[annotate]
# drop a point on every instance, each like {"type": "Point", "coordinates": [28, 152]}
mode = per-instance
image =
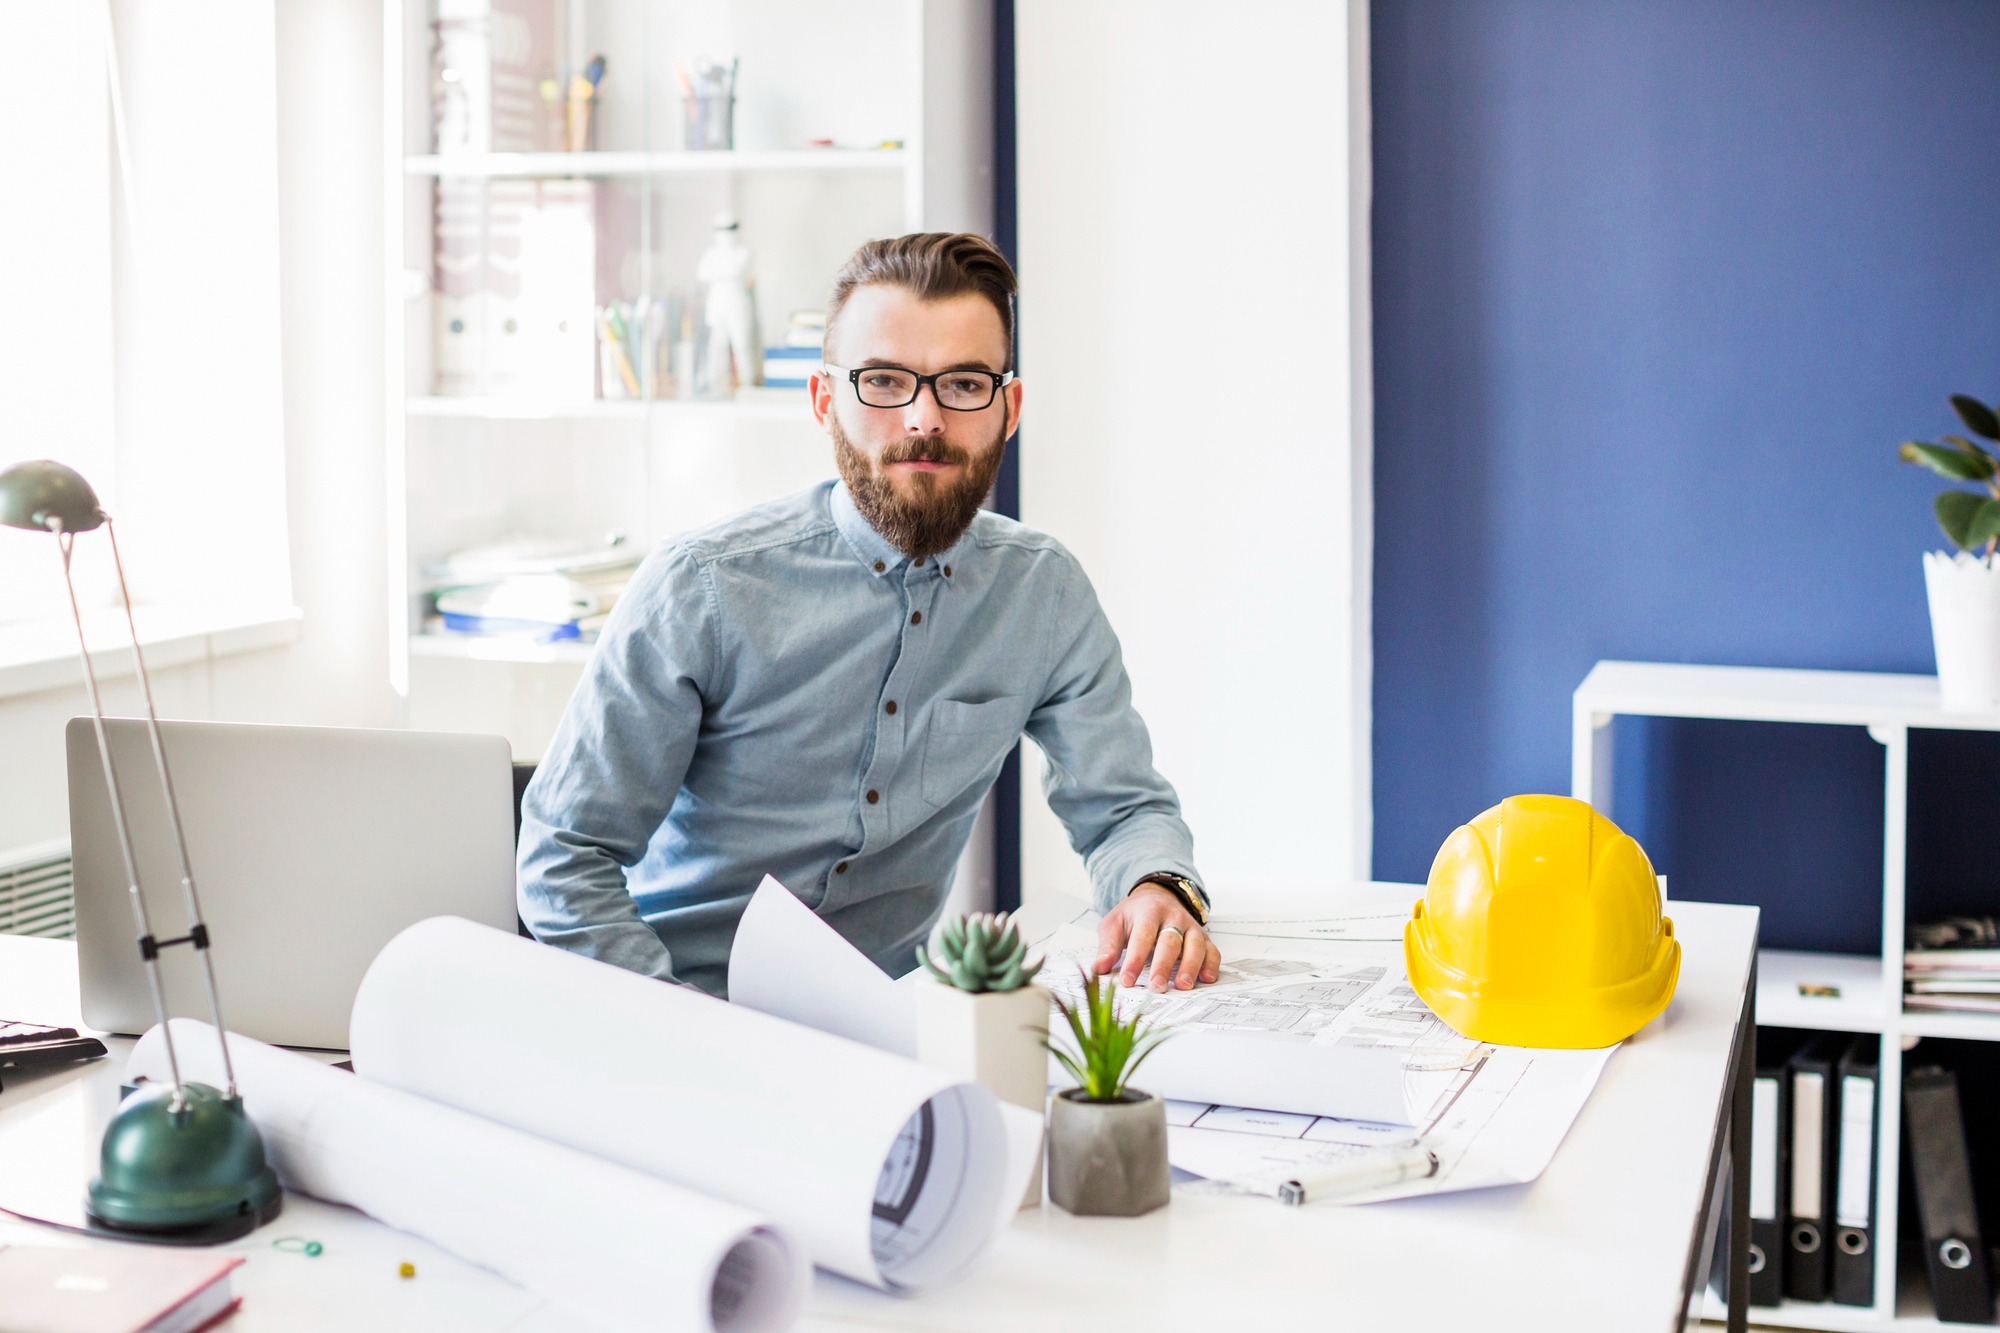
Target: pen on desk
{"type": "Point", "coordinates": [1359, 1174]}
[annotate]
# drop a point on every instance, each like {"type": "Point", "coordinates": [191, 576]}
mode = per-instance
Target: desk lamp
{"type": "Point", "coordinates": [180, 1163]}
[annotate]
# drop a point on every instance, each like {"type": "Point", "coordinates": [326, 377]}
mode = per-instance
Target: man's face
{"type": "Point", "coordinates": [918, 473]}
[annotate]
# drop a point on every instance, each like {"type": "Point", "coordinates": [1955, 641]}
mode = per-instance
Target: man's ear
{"type": "Point", "coordinates": [1013, 392]}
{"type": "Point", "coordinates": [819, 387]}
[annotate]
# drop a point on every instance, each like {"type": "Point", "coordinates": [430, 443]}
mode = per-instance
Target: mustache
{"type": "Point", "coordinates": [921, 449]}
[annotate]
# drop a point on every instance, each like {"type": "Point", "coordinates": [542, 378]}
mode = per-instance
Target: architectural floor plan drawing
{"type": "Point", "coordinates": [1494, 1115]}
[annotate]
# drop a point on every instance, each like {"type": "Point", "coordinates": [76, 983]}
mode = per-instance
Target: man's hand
{"type": "Point", "coordinates": [1155, 933]}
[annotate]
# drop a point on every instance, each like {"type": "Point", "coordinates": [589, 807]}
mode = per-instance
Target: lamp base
{"type": "Point", "coordinates": [197, 1170]}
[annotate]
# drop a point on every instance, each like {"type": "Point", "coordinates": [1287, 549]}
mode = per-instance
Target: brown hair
{"type": "Point", "coordinates": [931, 266]}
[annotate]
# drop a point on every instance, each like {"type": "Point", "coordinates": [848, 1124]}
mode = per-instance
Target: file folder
{"type": "Point", "coordinates": [1854, 1177]}
{"type": "Point", "coordinates": [1808, 1207]}
{"type": "Point", "coordinates": [1768, 1151]}
{"type": "Point", "coordinates": [1769, 1162]}
{"type": "Point", "coordinates": [1954, 1251]}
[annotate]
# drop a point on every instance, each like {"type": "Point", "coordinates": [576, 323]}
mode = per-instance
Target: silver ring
{"type": "Point", "coordinates": [1176, 929]}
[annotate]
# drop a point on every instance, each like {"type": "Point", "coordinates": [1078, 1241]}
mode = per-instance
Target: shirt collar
{"type": "Point", "coordinates": [877, 552]}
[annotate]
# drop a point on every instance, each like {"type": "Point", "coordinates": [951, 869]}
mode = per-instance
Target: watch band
{"type": "Point", "coordinates": [1182, 888]}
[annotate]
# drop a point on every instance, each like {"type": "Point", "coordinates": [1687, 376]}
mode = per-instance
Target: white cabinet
{"type": "Point", "coordinates": [1830, 992]}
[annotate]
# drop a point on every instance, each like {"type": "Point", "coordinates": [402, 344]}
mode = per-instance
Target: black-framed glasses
{"type": "Point", "coordinates": [955, 390]}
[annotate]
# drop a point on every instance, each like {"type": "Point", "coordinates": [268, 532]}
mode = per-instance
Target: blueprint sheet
{"type": "Point", "coordinates": [1494, 1115]}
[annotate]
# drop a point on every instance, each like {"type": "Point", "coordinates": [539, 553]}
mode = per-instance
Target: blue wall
{"type": "Point", "coordinates": [1658, 287]}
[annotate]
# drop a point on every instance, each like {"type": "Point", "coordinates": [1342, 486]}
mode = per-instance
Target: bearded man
{"type": "Point", "coordinates": [824, 687]}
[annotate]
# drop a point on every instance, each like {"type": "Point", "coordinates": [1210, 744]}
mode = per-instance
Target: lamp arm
{"type": "Point", "coordinates": [197, 928]}
{"type": "Point", "coordinates": [65, 541]}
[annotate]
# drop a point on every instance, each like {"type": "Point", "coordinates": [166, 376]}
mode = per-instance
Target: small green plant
{"type": "Point", "coordinates": [1108, 1048]}
{"type": "Point", "coordinates": [1968, 518]}
{"type": "Point", "coordinates": [978, 952]}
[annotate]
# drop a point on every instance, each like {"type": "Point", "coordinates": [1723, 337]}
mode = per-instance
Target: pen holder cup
{"type": "Point", "coordinates": [580, 124]}
{"type": "Point", "coordinates": [709, 122]}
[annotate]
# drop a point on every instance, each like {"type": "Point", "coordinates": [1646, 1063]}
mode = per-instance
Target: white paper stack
{"type": "Point", "coordinates": [629, 1249]}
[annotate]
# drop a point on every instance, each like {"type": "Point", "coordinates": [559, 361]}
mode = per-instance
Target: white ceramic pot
{"type": "Point", "coordinates": [1965, 629]}
{"type": "Point", "coordinates": [992, 1037]}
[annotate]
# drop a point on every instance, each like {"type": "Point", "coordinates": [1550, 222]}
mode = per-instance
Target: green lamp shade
{"type": "Point", "coordinates": [167, 1170]}
{"type": "Point", "coordinates": [33, 493]}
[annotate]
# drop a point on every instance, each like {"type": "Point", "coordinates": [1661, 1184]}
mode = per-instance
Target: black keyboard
{"type": "Point", "coordinates": [14, 1034]}
{"type": "Point", "coordinates": [23, 1045]}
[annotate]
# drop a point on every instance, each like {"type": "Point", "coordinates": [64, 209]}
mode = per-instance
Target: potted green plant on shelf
{"type": "Point", "coordinates": [1107, 1140]}
{"type": "Point", "coordinates": [1964, 589]}
{"type": "Point", "coordinates": [981, 1017]}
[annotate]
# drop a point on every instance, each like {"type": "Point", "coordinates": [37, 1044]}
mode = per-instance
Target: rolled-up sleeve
{"type": "Point", "coordinates": [1121, 815]}
{"type": "Point", "coordinates": [616, 765]}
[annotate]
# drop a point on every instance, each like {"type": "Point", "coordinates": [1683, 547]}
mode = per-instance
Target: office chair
{"type": "Point", "coordinates": [523, 771]}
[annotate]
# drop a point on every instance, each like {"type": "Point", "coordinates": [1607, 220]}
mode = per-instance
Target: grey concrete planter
{"type": "Point", "coordinates": [1108, 1159]}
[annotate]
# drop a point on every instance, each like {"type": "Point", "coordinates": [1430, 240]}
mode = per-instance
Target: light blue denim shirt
{"type": "Point", "coordinates": [785, 693]}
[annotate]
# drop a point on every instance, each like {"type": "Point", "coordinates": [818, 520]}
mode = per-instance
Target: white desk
{"type": "Point", "coordinates": [1606, 1240]}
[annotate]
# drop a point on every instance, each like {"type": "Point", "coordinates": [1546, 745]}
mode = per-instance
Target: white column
{"type": "Point", "coordinates": [1193, 247]}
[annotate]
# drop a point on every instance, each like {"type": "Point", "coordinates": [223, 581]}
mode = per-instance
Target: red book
{"type": "Point", "coordinates": [114, 1289]}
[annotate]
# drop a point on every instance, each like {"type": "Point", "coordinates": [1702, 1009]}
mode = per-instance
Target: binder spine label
{"type": "Point", "coordinates": [1764, 1150]}
{"type": "Point", "coordinates": [1807, 1106]}
{"type": "Point", "coordinates": [1857, 1141]}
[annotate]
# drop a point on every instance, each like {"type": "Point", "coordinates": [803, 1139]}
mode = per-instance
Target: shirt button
{"type": "Point", "coordinates": [920, 564]}
{"type": "Point", "coordinates": [874, 796]}
{"type": "Point", "coordinates": [890, 708]}
{"type": "Point", "coordinates": [879, 566]}
{"type": "Point", "coordinates": [916, 617]}
{"type": "Point", "coordinates": [840, 869]}
{"type": "Point", "coordinates": [947, 571]}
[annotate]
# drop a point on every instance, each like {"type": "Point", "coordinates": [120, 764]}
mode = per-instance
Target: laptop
{"type": "Point", "coordinates": [311, 847]}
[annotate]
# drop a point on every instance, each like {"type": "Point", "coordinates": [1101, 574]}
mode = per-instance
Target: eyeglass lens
{"type": "Point", "coordinates": [960, 391]}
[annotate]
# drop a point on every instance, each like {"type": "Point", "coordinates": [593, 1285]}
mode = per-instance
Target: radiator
{"type": "Point", "coordinates": [36, 893]}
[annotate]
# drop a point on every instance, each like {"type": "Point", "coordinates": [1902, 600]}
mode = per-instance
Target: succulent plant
{"type": "Point", "coordinates": [978, 951]}
{"type": "Point", "coordinates": [1109, 1046]}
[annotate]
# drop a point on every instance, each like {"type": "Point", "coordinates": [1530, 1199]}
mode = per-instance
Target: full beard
{"type": "Point", "coordinates": [935, 513]}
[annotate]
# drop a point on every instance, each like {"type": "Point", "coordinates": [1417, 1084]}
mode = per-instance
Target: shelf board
{"type": "Point", "coordinates": [1768, 694]}
{"type": "Point", "coordinates": [500, 165]}
{"type": "Point", "coordinates": [497, 648]}
{"type": "Point", "coordinates": [1780, 972]}
{"type": "Point", "coordinates": [765, 405]}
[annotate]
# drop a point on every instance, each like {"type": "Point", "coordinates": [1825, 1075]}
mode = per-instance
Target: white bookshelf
{"type": "Point", "coordinates": [528, 165]}
{"type": "Point", "coordinates": [1870, 990]}
{"type": "Point", "coordinates": [790, 406]}
{"type": "Point", "coordinates": [904, 85]}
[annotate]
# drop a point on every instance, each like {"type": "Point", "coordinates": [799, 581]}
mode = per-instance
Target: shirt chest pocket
{"type": "Point", "coordinates": [966, 744]}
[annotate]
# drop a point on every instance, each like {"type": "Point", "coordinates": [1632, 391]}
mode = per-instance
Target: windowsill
{"type": "Point", "coordinates": [39, 655]}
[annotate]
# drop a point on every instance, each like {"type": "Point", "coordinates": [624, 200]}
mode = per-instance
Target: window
{"type": "Point", "coordinates": [139, 296]}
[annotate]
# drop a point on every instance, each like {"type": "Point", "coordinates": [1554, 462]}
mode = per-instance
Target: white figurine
{"type": "Point", "coordinates": [729, 314]}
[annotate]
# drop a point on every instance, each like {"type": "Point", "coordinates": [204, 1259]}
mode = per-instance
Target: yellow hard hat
{"type": "Point", "coordinates": [1541, 926]}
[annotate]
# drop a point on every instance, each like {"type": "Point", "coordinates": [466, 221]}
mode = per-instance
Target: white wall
{"type": "Point", "coordinates": [329, 252]}
{"type": "Point", "coordinates": [1193, 254]}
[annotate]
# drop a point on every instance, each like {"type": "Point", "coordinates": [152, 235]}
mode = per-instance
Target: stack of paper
{"type": "Point", "coordinates": [1954, 965]}
{"type": "Point", "coordinates": [549, 591]}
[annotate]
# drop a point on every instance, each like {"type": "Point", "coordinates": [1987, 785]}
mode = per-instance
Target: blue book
{"type": "Point", "coordinates": [788, 367]}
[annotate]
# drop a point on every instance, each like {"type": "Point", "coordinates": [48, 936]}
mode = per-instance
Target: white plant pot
{"type": "Point", "coordinates": [994, 1038]}
{"type": "Point", "coordinates": [1965, 629]}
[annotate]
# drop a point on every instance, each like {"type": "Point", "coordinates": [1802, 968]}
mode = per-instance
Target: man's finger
{"type": "Point", "coordinates": [1166, 953]}
{"type": "Point", "coordinates": [1138, 952]}
{"type": "Point", "coordinates": [1110, 942]}
{"type": "Point", "coordinates": [1194, 960]}
{"type": "Point", "coordinates": [1212, 969]}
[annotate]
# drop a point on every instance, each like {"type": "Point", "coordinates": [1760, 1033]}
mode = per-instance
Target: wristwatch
{"type": "Point", "coordinates": [1182, 888]}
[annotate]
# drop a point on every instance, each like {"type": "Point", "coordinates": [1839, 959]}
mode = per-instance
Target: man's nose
{"type": "Point", "coordinates": [923, 416]}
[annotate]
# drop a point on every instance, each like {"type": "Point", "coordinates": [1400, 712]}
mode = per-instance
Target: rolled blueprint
{"type": "Point", "coordinates": [889, 1172]}
{"type": "Point", "coordinates": [630, 1250]}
